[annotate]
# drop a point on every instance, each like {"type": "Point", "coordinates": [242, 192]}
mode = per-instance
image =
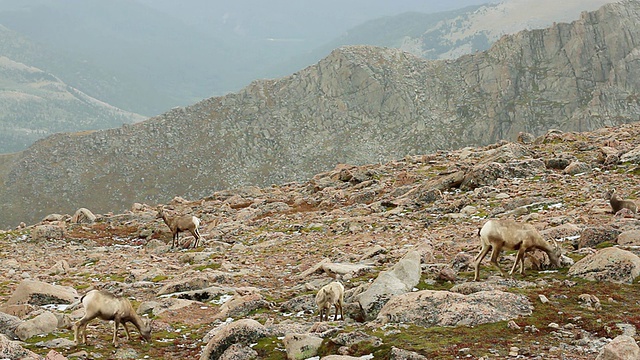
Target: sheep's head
{"type": "Point", "coordinates": [609, 194]}
{"type": "Point", "coordinates": [145, 330]}
{"type": "Point", "coordinates": [160, 213]}
{"type": "Point", "coordinates": [555, 253]}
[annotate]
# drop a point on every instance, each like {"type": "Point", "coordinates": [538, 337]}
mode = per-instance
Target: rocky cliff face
{"type": "Point", "coordinates": [359, 105]}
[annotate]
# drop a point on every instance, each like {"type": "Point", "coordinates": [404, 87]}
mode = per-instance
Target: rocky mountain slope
{"type": "Point", "coordinates": [36, 104]}
{"type": "Point", "coordinates": [359, 105]}
{"type": "Point", "coordinates": [400, 235]}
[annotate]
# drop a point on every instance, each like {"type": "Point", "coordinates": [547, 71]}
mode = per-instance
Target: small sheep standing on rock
{"type": "Point", "coordinates": [330, 294]}
{"type": "Point", "coordinates": [619, 204]}
{"type": "Point", "coordinates": [180, 223]}
{"type": "Point", "coordinates": [104, 305]}
{"type": "Point", "coordinates": [511, 235]}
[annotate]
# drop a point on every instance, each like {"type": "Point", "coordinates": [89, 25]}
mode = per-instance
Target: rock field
{"type": "Point", "coordinates": [400, 236]}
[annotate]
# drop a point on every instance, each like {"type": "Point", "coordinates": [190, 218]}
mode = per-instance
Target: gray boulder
{"type": "Point", "coordinates": [47, 231]}
{"type": "Point", "coordinates": [8, 325]}
{"type": "Point", "coordinates": [623, 347]}
{"type": "Point", "coordinates": [12, 350]}
{"type": "Point", "coordinates": [632, 156]}
{"type": "Point", "coordinates": [401, 354]}
{"type": "Point", "coordinates": [592, 236]}
{"type": "Point", "coordinates": [301, 346]}
{"type": "Point", "coordinates": [239, 352]}
{"type": "Point", "coordinates": [629, 238]}
{"type": "Point", "coordinates": [240, 305]}
{"type": "Point", "coordinates": [41, 293]}
{"type": "Point", "coordinates": [399, 280]}
{"type": "Point", "coordinates": [41, 324]}
{"type": "Point", "coordinates": [243, 331]}
{"type": "Point", "coordinates": [443, 308]}
{"type": "Point", "coordinates": [609, 264]}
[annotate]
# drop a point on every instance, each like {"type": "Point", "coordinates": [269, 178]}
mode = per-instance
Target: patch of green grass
{"type": "Point", "coordinates": [212, 266]}
{"type": "Point", "coordinates": [270, 348]}
{"type": "Point", "coordinates": [159, 278]}
{"type": "Point", "coordinates": [116, 277]}
{"type": "Point", "coordinates": [12, 234]}
{"type": "Point", "coordinates": [604, 244]}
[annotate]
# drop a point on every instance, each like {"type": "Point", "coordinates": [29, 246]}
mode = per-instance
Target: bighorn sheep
{"type": "Point", "coordinates": [511, 235]}
{"type": "Point", "coordinates": [104, 305]}
{"type": "Point", "coordinates": [330, 294]}
{"type": "Point", "coordinates": [180, 223]}
{"type": "Point", "coordinates": [619, 204]}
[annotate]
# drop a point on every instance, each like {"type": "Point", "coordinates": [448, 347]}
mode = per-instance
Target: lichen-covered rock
{"type": "Point", "coordinates": [8, 325]}
{"type": "Point", "coordinates": [12, 350]}
{"type": "Point", "coordinates": [301, 346]}
{"type": "Point", "coordinates": [240, 305]}
{"type": "Point", "coordinates": [401, 354]}
{"type": "Point", "coordinates": [623, 347]}
{"type": "Point", "coordinates": [245, 331]}
{"type": "Point", "coordinates": [630, 237]}
{"type": "Point", "coordinates": [399, 280]}
{"type": "Point", "coordinates": [239, 352]}
{"type": "Point", "coordinates": [592, 236]}
{"type": "Point", "coordinates": [41, 324]}
{"type": "Point", "coordinates": [41, 293]}
{"type": "Point", "coordinates": [443, 308]}
{"type": "Point", "coordinates": [47, 231]}
{"type": "Point", "coordinates": [609, 264]}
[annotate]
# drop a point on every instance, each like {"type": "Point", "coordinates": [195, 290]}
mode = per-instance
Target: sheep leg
{"type": "Point", "coordinates": [339, 306]}
{"type": "Point", "coordinates": [494, 259]}
{"type": "Point", "coordinates": [479, 257]}
{"type": "Point", "coordinates": [196, 235]}
{"type": "Point", "coordinates": [176, 240]}
{"type": "Point", "coordinates": [126, 330]}
{"type": "Point", "coordinates": [116, 323]}
{"type": "Point", "coordinates": [80, 327]}
{"type": "Point", "coordinates": [335, 316]}
{"type": "Point", "coordinates": [519, 260]}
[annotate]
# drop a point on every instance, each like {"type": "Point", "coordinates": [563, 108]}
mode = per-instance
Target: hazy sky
{"type": "Point", "coordinates": [301, 19]}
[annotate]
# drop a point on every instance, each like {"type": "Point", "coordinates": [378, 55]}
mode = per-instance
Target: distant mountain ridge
{"type": "Point", "coordinates": [142, 57]}
{"type": "Point", "coordinates": [451, 34]}
{"type": "Point", "coordinates": [359, 105]}
{"type": "Point", "coordinates": [36, 104]}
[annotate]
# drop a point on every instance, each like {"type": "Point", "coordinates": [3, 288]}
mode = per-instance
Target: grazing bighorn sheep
{"type": "Point", "coordinates": [104, 305]}
{"type": "Point", "coordinates": [330, 294]}
{"type": "Point", "coordinates": [619, 204]}
{"type": "Point", "coordinates": [180, 223]}
{"type": "Point", "coordinates": [511, 235]}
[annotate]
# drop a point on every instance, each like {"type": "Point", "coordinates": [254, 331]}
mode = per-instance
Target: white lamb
{"type": "Point", "coordinates": [330, 294]}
